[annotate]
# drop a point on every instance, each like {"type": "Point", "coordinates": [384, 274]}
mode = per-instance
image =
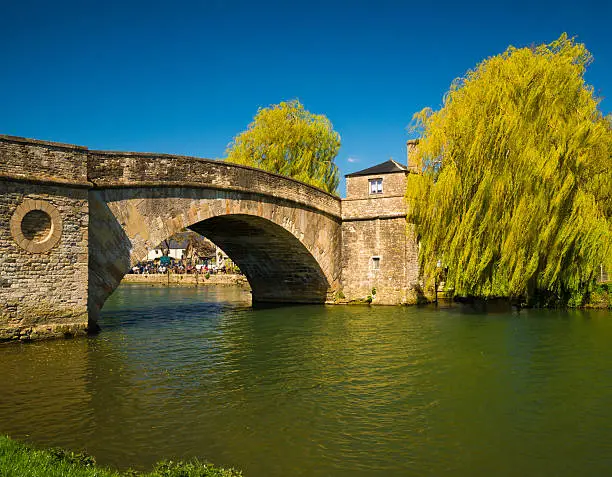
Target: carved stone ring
{"type": "Point", "coordinates": [36, 226]}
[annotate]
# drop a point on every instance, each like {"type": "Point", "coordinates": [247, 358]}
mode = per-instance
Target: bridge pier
{"type": "Point", "coordinates": [43, 240]}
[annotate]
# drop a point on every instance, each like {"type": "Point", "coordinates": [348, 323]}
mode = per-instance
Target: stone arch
{"type": "Point", "coordinates": [288, 251]}
{"type": "Point", "coordinates": [277, 265]}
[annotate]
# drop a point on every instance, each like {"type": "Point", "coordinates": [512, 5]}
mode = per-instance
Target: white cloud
{"type": "Point", "coordinates": [352, 159]}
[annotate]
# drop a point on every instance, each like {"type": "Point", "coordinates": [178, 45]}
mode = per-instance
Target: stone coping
{"type": "Point", "coordinates": [38, 142]}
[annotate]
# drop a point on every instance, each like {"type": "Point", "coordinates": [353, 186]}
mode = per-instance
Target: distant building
{"type": "Point", "coordinates": [186, 245]}
{"type": "Point", "coordinates": [176, 250]}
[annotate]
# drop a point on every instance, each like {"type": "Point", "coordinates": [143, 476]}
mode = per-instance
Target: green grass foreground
{"type": "Point", "coordinates": [21, 460]}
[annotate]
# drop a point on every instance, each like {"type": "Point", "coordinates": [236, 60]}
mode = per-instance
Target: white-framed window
{"type": "Point", "coordinates": [376, 186]}
{"type": "Point", "coordinates": [375, 263]}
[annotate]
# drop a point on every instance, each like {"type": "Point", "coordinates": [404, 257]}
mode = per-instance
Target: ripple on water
{"type": "Point", "coordinates": [315, 390]}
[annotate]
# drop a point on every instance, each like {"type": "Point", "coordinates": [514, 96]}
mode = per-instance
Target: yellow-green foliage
{"type": "Point", "coordinates": [516, 192]}
{"type": "Point", "coordinates": [287, 139]}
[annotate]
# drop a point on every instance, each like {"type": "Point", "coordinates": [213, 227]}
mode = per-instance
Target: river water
{"type": "Point", "coordinates": [321, 390]}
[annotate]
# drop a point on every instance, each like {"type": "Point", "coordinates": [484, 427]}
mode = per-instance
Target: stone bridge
{"type": "Point", "coordinates": [74, 221]}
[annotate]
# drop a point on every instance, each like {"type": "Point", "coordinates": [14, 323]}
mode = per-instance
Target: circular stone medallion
{"type": "Point", "coordinates": [36, 226]}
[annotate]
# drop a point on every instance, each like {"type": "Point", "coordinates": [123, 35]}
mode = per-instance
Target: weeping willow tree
{"type": "Point", "coordinates": [515, 195]}
{"type": "Point", "coordinates": [287, 139]}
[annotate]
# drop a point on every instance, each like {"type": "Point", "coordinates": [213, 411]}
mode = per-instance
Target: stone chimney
{"type": "Point", "coordinates": [411, 148]}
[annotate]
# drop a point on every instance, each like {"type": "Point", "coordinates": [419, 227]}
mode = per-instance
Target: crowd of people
{"type": "Point", "coordinates": [176, 266]}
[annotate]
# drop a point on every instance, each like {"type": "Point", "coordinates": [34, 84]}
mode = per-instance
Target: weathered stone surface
{"type": "Point", "coordinates": [282, 233]}
{"type": "Point", "coordinates": [123, 169]}
{"type": "Point", "coordinates": [379, 252]}
{"type": "Point", "coordinates": [289, 253]}
{"type": "Point", "coordinates": [42, 161]}
{"type": "Point", "coordinates": [95, 214]}
{"type": "Point", "coordinates": [45, 291]}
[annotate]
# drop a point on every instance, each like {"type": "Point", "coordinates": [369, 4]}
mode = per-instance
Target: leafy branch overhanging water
{"type": "Point", "coordinates": [515, 195]}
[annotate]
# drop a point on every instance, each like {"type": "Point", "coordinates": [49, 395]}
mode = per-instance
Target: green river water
{"type": "Point", "coordinates": [321, 390]}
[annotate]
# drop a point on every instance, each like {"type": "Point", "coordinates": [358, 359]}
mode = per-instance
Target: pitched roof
{"type": "Point", "coordinates": [387, 167]}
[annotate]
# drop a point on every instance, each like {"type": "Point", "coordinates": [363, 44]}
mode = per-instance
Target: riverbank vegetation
{"type": "Point", "coordinates": [515, 199]}
{"type": "Point", "coordinates": [600, 296]}
{"type": "Point", "coordinates": [289, 140]}
{"type": "Point", "coordinates": [20, 460]}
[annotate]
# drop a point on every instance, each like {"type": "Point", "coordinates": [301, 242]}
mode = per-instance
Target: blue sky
{"type": "Point", "coordinates": [186, 77]}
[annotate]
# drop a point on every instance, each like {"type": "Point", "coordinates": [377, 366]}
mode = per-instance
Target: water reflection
{"type": "Point", "coordinates": [314, 391]}
{"type": "Point", "coordinates": [42, 384]}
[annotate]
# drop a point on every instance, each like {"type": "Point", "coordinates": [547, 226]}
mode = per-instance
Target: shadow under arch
{"type": "Point", "coordinates": [279, 268]}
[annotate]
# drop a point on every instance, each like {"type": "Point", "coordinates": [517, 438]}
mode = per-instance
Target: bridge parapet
{"type": "Point", "coordinates": [32, 160]}
{"type": "Point", "coordinates": [107, 169]}
{"type": "Point", "coordinates": [42, 161]}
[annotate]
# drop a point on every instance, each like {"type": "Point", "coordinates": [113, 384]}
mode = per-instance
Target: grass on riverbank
{"type": "Point", "coordinates": [20, 460]}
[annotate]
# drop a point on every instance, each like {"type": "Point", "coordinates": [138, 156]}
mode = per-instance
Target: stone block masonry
{"type": "Point", "coordinates": [379, 249]}
{"type": "Point", "coordinates": [42, 161]}
{"type": "Point", "coordinates": [43, 239]}
{"type": "Point", "coordinates": [73, 222]}
{"type": "Point", "coordinates": [380, 261]}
